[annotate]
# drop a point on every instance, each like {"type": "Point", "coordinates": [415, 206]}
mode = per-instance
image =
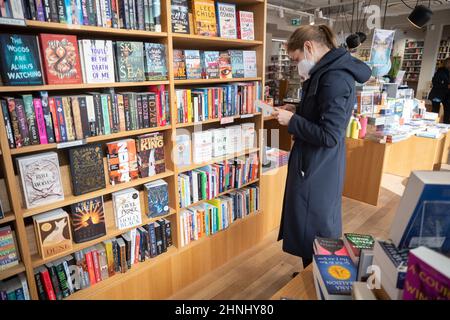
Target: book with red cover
{"type": "Point", "coordinates": [97, 272]}
{"type": "Point", "coordinates": [47, 284]}
{"type": "Point", "coordinates": [61, 59]}
{"type": "Point", "coordinates": [90, 267]}
{"type": "Point", "coordinates": [326, 246]}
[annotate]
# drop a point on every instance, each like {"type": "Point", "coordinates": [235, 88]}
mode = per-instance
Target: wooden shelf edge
{"type": "Point", "coordinates": [206, 81]}
{"type": "Point", "coordinates": [108, 190]}
{"type": "Point", "coordinates": [12, 271]}
{"type": "Point", "coordinates": [218, 159]}
{"type": "Point", "coordinates": [192, 124]}
{"type": "Point", "coordinates": [80, 86]}
{"type": "Point", "coordinates": [192, 37]}
{"type": "Point", "coordinates": [9, 216]}
{"type": "Point", "coordinates": [112, 136]}
{"type": "Point", "coordinates": [38, 261]}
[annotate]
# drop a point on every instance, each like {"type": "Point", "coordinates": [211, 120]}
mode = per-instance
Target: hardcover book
{"type": "Point", "coordinates": [150, 154]}
{"type": "Point", "coordinates": [211, 64]}
{"type": "Point", "coordinates": [97, 61]}
{"type": "Point", "coordinates": [202, 144]}
{"type": "Point", "coordinates": [8, 251]}
{"type": "Point", "coordinates": [193, 64]}
{"type": "Point", "coordinates": [61, 59]}
{"type": "Point", "coordinates": [246, 28]}
{"type": "Point", "coordinates": [237, 63]}
{"type": "Point", "coordinates": [226, 16]}
{"type": "Point", "coordinates": [179, 65]}
{"type": "Point", "coordinates": [130, 61]}
{"type": "Point", "coordinates": [219, 142]}
{"type": "Point", "coordinates": [326, 246]}
{"type": "Point", "coordinates": [155, 61]}
{"type": "Point", "coordinates": [204, 16]}
{"type": "Point", "coordinates": [127, 208]}
{"type": "Point", "coordinates": [180, 16]}
{"type": "Point", "coordinates": [355, 242]}
{"type": "Point", "coordinates": [40, 179]}
{"type": "Point", "coordinates": [225, 65]}
{"type": "Point", "coordinates": [20, 63]}
{"type": "Point", "coordinates": [250, 69]}
{"type": "Point", "coordinates": [53, 234]}
{"type": "Point", "coordinates": [248, 135]}
{"type": "Point", "coordinates": [88, 220]}
{"type": "Point", "coordinates": [157, 195]}
{"type": "Point", "coordinates": [122, 161]}
{"type": "Point", "coordinates": [87, 169]}
{"type": "Point", "coordinates": [392, 261]}
{"type": "Point", "coordinates": [183, 150]}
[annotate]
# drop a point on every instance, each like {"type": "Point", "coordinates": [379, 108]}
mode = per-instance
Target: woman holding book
{"type": "Point", "coordinates": [313, 194]}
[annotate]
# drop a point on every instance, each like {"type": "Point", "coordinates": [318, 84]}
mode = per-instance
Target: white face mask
{"type": "Point", "coordinates": [304, 66]}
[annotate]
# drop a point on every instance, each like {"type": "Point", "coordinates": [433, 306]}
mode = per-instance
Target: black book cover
{"type": "Point", "coordinates": [61, 11]}
{"type": "Point", "coordinates": [159, 238]}
{"type": "Point", "coordinates": [168, 232]}
{"type": "Point", "coordinates": [88, 220]}
{"type": "Point", "coordinates": [54, 11]}
{"type": "Point", "coordinates": [99, 125]}
{"type": "Point", "coordinates": [152, 110]}
{"type": "Point", "coordinates": [139, 111]}
{"type": "Point", "coordinates": [40, 286]}
{"type": "Point", "coordinates": [85, 127]}
{"type": "Point", "coordinates": [62, 278]}
{"type": "Point", "coordinates": [55, 282]}
{"type": "Point", "coordinates": [180, 16]}
{"type": "Point", "coordinates": [87, 168]}
{"type": "Point", "coordinates": [47, 117]}
{"type": "Point", "coordinates": [145, 111]}
{"type": "Point", "coordinates": [30, 7]}
{"type": "Point", "coordinates": [116, 254]}
{"type": "Point", "coordinates": [126, 107]}
{"type": "Point", "coordinates": [22, 119]}
{"type": "Point", "coordinates": [8, 125]}
{"type": "Point", "coordinates": [162, 226]}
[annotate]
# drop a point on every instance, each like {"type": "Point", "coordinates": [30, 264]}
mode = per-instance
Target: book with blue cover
{"type": "Point", "coordinates": [335, 275]}
{"type": "Point", "coordinates": [157, 195]}
{"type": "Point", "coordinates": [193, 64]}
{"type": "Point", "coordinates": [155, 61]}
{"type": "Point", "coordinates": [237, 63]}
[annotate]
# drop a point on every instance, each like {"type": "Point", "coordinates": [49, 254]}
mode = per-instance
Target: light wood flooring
{"type": "Point", "coordinates": [261, 271]}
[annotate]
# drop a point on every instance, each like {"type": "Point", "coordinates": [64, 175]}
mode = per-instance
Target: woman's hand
{"type": "Point", "coordinates": [283, 116]}
{"type": "Point", "coordinates": [288, 107]}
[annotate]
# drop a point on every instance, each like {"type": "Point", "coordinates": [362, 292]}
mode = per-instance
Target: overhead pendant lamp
{"type": "Point", "coordinates": [362, 36]}
{"type": "Point", "coordinates": [420, 16]}
{"type": "Point", "coordinates": [353, 41]}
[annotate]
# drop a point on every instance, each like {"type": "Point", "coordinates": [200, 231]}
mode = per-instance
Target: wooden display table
{"type": "Point", "coordinates": [299, 288]}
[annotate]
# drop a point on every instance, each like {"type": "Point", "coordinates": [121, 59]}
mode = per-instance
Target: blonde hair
{"type": "Point", "coordinates": [319, 33]}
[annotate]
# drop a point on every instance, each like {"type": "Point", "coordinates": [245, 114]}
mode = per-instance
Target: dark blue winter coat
{"type": "Point", "coordinates": [313, 195]}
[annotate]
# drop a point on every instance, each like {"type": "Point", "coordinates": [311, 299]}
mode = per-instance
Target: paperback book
{"type": "Point", "coordinates": [155, 61]}
{"type": "Point", "coordinates": [130, 61]}
{"type": "Point", "coordinates": [97, 61]}
{"type": "Point", "coordinates": [127, 208]}
{"type": "Point", "coordinates": [157, 195]}
{"type": "Point", "coordinates": [226, 16]}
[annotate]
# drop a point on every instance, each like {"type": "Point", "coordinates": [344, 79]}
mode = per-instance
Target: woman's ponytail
{"type": "Point", "coordinates": [320, 33]}
{"type": "Point", "coordinates": [329, 35]}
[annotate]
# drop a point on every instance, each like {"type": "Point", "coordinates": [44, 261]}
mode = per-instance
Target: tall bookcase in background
{"type": "Point", "coordinates": [444, 52]}
{"type": "Point", "coordinates": [159, 277]}
{"type": "Point", "coordinates": [412, 62]}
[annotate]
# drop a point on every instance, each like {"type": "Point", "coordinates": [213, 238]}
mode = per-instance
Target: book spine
{"type": "Point", "coordinates": [68, 277]}
{"type": "Point", "coordinates": [40, 121]}
{"type": "Point", "coordinates": [133, 111]}
{"type": "Point", "coordinates": [91, 12]}
{"type": "Point", "coordinates": [162, 227]}
{"type": "Point", "coordinates": [110, 258]}
{"type": "Point", "coordinates": [168, 232]}
{"type": "Point", "coordinates": [126, 106]}
{"type": "Point", "coordinates": [31, 118]}
{"type": "Point", "coordinates": [22, 120]}
{"type": "Point", "coordinates": [110, 112]}
{"type": "Point", "coordinates": [8, 125]}
{"type": "Point", "coordinates": [40, 11]}
{"type": "Point", "coordinates": [146, 15]}
{"type": "Point", "coordinates": [61, 11]}
{"type": "Point", "coordinates": [90, 267]}
{"type": "Point", "coordinates": [156, 5]}
{"type": "Point", "coordinates": [116, 253]}
{"type": "Point", "coordinates": [140, 14]}
{"type": "Point", "coordinates": [50, 293]}
{"type": "Point", "coordinates": [47, 117]}
{"type": "Point", "coordinates": [98, 12]}
{"type": "Point", "coordinates": [96, 262]}
{"type": "Point", "coordinates": [84, 117]}
{"type": "Point", "coordinates": [140, 116]}
{"type": "Point", "coordinates": [105, 114]}
{"type": "Point", "coordinates": [78, 122]}
{"type": "Point", "coordinates": [61, 119]}
{"type": "Point", "coordinates": [115, 112]}
{"type": "Point", "coordinates": [54, 113]}
{"type": "Point", "coordinates": [64, 286]}
{"type": "Point", "coordinates": [55, 282]}
{"type": "Point", "coordinates": [152, 239]}
{"type": "Point", "coordinates": [32, 8]}
{"type": "Point", "coordinates": [145, 112]}
{"type": "Point", "coordinates": [69, 119]}
{"type": "Point", "coordinates": [132, 8]}
{"type": "Point", "coordinates": [150, 15]}
{"type": "Point", "coordinates": [54, 11]}
{"type": "Point", "coordinates": [40, 286]}
{"type": "Point", "coordinates": [47, 14]}
{"type": "Point", "coordinates": [99, 126]}
{"type": "Point", "coordinates": [115, 13]}
{"type": "Point", "coordinates": [84, 9]}
{"type": "Point", "coordinates": [108, 14]}
{"type": "Point", "coordinates": [121, 111]}
{"type": "Point", "coordinates": [123, 259]}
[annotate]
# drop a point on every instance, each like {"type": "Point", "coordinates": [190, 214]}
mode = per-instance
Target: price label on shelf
{"type": "Point", "coordinates": [64, 145]}
{"type": "Point", "coordinates": [226, 120]}
{"type": "Point", "coordinates": [13, 22]}
{"type": "Point", "coordinates": [250, 115]}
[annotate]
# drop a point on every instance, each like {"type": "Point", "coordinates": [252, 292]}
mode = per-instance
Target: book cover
{"type": "Point", "coordinates": [250, 68]}
{"type": "Point", "coordinates": [61, 59]}
{"type": "Point", "coordinates": [88, 220]}
{"type": "Point", "coordinates": [248, 135]}
{"type": "Point", "coordinates": [130, 61]}
{"type": "Point", "coordinates": [98, 61]}
{"type": "Point", "coordinates": [219, 142]}
{"type": "Point", "coordinates": [193, 64]}
{"type": "Point", "coordinates": [8, 124]}
{"type": "Point", "coordinates": [53, 234]}
{"type": "Point", "coordinates": [225, 65]}
{"type": "Point", "coordinates": [40, 121]}
{"type": "Point", "coordinates": [226, 18]}
{"type": "Point", "coordinates": [202, 144]}
{"type": "Point", "coordinates": [359, 241]}
{"type": "Point", "coordinates": [157, 195]}
{"type": "Point", "coordinates": [18, 139]}
{"type": "Point", "coordinates": [127, 208]}
{"type": "Point", "coordinates": [47, 116]}
{"type": "Point", "coordinates": [150, 154]}
{"type": "Point", "coordinates": [8, 251]}
{"type": "Point", "coordinates": [337, 273]}
{"type": "Point", "coordinates": [428, 275]}
{"type": "Point", "coordinates": [204, 16]}
{"type": "Point", "coordinates": [87, 169]}
{"type": "Point", "coordinates": [40, 179]}
{"type": "Point", "coordinates": [326, 246]}
{"type": "Point", "coordinates": [155, 61]}
{"type": "Point", "coordinates": [246, 28]}
{"type": "Point", "coordinates": [122, 161]}
{"type": "Point", "coordinates": [20, 63]}
{"type": "Point", "coordinates": [183, 150]}
{"type": "Point", "coordinates": [180, 16]}
{"type": "Point", "coordinates": [211, 64]}
{"type": "Point", "coordinates": [237, 63]}
{"type": "Point", "coordinates": [179, 65]}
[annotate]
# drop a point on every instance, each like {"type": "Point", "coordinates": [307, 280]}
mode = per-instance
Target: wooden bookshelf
{"type": "Point", "coordinates": [159, 277]}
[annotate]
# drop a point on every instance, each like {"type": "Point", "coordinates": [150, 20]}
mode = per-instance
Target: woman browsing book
{"type": "Point", "coordinates": [313, 194]}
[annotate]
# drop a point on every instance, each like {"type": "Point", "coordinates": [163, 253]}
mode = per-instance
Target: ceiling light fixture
{"type": "Point", "coordinates": [420, 16]}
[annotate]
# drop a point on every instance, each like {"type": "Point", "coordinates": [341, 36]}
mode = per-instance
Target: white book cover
{"type": "Point", "coordinates": [234, 139]}
{"type": "Point", "coordinates": [202, 146]}
{"type": "Point", "coordinates": [183, 150]}
{"type": "Point", "coordinates": [40, 179]}
{"type": "Point", "coordinates": [127, 208]}
{"type": "Point", "coordinates": [246, 25]}
{"type": "Point", "coordinates": [250, 68]}
{"type": "Point", "coordinates": [194, 186]}
{"type": "Point", "coordinates": [219, 142]}
{"type": "Point", "coordinates": [24, 283]}
{"type": "Point", "coordinates": [248, 135]}
{"type": "Point", "coordinates": [98, 61]}
{"type": "Point", "coordinates": [226, 16]}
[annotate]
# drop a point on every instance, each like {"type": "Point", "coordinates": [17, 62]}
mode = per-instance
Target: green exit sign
{"type": "Point", "coordinates": [296, 22]}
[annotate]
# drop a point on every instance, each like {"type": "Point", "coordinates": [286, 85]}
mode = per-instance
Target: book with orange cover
{"type": "Point", "coordinates": [122, 161]}
{"type": "Point", "coordinates": [204, 13]}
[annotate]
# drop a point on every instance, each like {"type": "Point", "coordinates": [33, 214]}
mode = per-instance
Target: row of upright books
{"type": "Point", "coordinates": [9, 255]}
{"type": "Point", "coordinates": [125, 162]}
{"type": "Point", "coordinates": [63, 59]}
{"type": "Point", "coordinates": [217, 214]}
{"type": "Point", "coordinates": [15, 288]}
{"type": "Point", "coordinates": [207, 182]}
{"type": "Point", "coordinates": [56, 230]}
{"type": "Point", "coordinates": [201, 104]}
{"type": "Point", "coordinates": [227, 64]}
{"type": "Point", "coordinates": [43, 119]}
{"type": "Point", "coordinates": [126, 14]}
{"type": "Point", "coordinates": [61, 278]}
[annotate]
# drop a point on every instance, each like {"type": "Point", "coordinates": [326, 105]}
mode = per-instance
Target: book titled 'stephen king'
{"type": "Point", "coordinates": [150, 154]}
{"type": "Point", "coordinates": [20, 63]}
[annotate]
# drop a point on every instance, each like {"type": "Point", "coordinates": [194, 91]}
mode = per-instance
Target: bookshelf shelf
{"type": "Point", "coordinates": [190, 124]}
{"type": "Point", "coordinates": [9, 216]}
{"type": "Point", "coordinates": [102, 138]}
{"type": "Point", "coordinates": [208, 81]}
{"type": "Point", "coordinates": [218, 159]}
{"type": "Point", "coordinates": [184, 41]}
{"type": "Point", "coordinates": [71, 199]}
{"type": "Point", "coordinates": [12, 271]}
{"type": "Point", "coordinates": [111, 233]}
{"type": "Point", "coordinates": [43, 26]}
{"type": "Point", "coordinates": [82, 86]}
{"type": "Point", "coordinates": [221, 194]}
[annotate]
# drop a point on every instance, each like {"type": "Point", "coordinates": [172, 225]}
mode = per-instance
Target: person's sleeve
{"type": "Point", "coordinates": [332, 102]}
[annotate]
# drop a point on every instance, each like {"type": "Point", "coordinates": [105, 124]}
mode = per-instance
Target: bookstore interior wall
{"type": "Point", "coordinates": [97, 168]}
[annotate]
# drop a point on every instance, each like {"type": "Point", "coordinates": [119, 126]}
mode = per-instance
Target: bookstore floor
{"type": "Point", "coordinates": [262, 271]}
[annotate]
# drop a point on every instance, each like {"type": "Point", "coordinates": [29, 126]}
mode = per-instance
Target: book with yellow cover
{"type": "Point", "coordinates": [204, 14]}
